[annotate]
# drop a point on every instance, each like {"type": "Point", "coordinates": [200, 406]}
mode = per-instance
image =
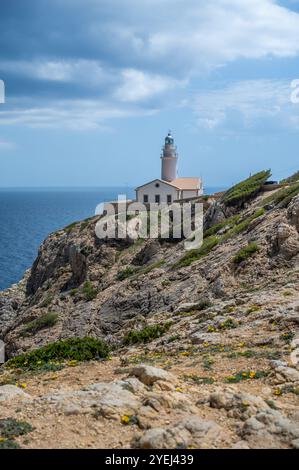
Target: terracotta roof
{"type": "Point", "coordinates": [186, 183]}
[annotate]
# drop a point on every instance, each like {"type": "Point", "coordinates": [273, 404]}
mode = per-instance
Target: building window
{"type": "Point", "coordinates": [169, 199]}
{"type": "Point", "coordinates": [145, 198]}
{"type": "Point", "coordinates": [157, 185]}
{"type": "Point", "coordinates": [157, 198]}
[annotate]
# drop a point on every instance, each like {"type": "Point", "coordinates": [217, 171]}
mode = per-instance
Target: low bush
{"type": "Point", "coordinates": [147, 334]}
{"type": "Point", "coordinates": [89, 291]}
{"type": "Point", "coordinates": [194, 255]}
{"type": "Point", "coordinates": [246, 190]}
{"type": "Point", "coordinates": [125, 273]}
{"type": "Point", "coordinates": [78, 349]}
{"type": "Point", "coordinates": [283, 196]}
{"type": "Point", "coordinates": [246, 252]}
{"type": "Point", "coordinates": [45, 321]}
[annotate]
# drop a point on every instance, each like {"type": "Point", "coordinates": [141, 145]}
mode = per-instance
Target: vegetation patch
{"type": "Point", "coordinates": [246, 252]}
{"type": "Point", "coordinates": [210, 242]}
{"type": "Point", "coordinates": [225, 223]}
{"type": "Point", "coordinates": [246, 190]}
{"type": "Point", "coordinates": [194, 255]}
{"type": "Point", "coordinates": [10, 428]}
{"type": "Point", "coordinates": [283, 196]}
{"type": "Point", "coordinates": [125, 273]}
{"type": "Point", "coordinates": [198, 380]}
{"type": "Point", "coordinates": [246, 375]}
{"type": "Point", "coordinates": [147, 334]}
{"type": "Point", "coordinates": [291, 179]}
{"type": "Point", "coordinates": [45, 321]}
{"type": "Point", "coordinates": [78, 349]}
{"type": "Point", "coordinates": [242, 225]}
{"type": "Point", "coordinates": [89, 291]}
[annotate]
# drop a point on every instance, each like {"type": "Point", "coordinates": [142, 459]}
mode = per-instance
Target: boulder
{"type": "Point", "coordinates": [149, 374]}
{"type": "Point", "coordinates": [11, 392]}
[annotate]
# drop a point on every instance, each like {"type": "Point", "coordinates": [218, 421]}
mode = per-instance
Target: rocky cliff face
{"type": "Point", "coordinates": [230, 309]}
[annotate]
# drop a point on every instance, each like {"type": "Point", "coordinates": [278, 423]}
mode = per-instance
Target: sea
{"type": "Point", "coordinates": [28, 216]}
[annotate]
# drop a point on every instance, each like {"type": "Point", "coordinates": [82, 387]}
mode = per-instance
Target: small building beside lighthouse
{"type": "Point", "coordinates": [170, 187]}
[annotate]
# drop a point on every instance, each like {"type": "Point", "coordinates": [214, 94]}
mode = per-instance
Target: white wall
{"type": "Point", "coordinates": [186, 194]}
{"type": "Point", "coordinates": [151, 190]}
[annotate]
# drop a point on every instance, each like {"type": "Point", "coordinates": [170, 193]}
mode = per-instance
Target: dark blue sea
{"type": "Point", "coordinates": [27, 216]}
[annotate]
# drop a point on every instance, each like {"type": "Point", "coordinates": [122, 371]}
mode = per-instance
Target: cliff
{"type": "Point", "coordinates": [218, 324]}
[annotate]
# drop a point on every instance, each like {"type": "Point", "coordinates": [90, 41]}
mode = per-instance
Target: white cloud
{"type": "Point", "coordinates": [138, 86]}
{"type": "Point", "coordinates": [249, 102]}
{"type": "Point", "coordinates": [70, 114]}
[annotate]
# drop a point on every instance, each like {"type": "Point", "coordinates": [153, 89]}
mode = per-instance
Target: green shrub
{"type": "Point", "coordinates": [125, 273]}
{"type": "Point", "coordinates": [283, 196]}
{"type": "Point", "coordinates": [10, 428]}
{"type": "Point", "coordinates": [89, 291]}
{"type": "Point", "coordinates": [210, 242]}
{"type": "Point", "coordinates": [217, 227]}
{"type": "Point", "coordinates": [194, 255]}
{"type": "Point", "coordinates": [228, 324]}
{"type": "Point", "coordinates": [246, 252]}
{"type": "Point", "coordinates": [8, 444]}
{"type": "Point", "coordinates": [247, 189]}
{"type": "Point", "coordinates": [243, 225]}
{"type": "Point", "coordinates": [291, 179]}
{"type": "Point", "coordinates": [147, 334]}
{"type": "Point", "coordinates": [79, 349]}
{"type": "Point", "coordinates": [45, 321]}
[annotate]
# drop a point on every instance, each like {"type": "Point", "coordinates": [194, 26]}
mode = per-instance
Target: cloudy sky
{"type": "Point", "coordinates": [92, 87]}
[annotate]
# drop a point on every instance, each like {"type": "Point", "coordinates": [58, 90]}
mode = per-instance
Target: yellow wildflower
{"type": "Point", "coordinates": [278, 392]}
{"type": "Point", "coordinates": [179, 389]}
{"type": "Point", "coordinates": [125, 419]}
{"type": "Point", "coordinates": [72, 363]}
{"type": "Point", "coordinates": [252, 374]}
{"type": "Point", "coordinates": [23, 385]}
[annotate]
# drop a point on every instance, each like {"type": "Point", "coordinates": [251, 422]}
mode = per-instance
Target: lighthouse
{"type": "Point", "coordinates": [169, 159]}
{"type": "Point", "coordinates": [170, 188]}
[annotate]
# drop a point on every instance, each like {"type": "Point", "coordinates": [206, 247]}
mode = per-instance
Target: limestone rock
{"type": "Point", "coordinates": [269, 429]}
{"type": "Point", "coordinates": [191, 431]}
{"type": "Point", "coordinates": [149, 375]}
{"type": "Point", "coordinates": [284, 241]}
{"type": "Point", "coordinates": [284, 373]}
{"type": "Point", "coordinates": [240, 405]}
{"type": "Point", "coordinates": [293, 212]}
{"type": "Point", "coordinates": [208, 338]}
{"type": "Point", "coordinates": [11, 392]}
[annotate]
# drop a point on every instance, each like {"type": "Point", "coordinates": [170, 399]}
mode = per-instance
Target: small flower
{"type": "Point", "coordinates": [23, 385]}
{"type": "Point", "coordinates": [125, 419]}
{"type": "Point", "coordinates": [211, 329]}
{"type": "Point", "coordinates": [244, 374]}
{"type": "Point", "coordinates": [179, 389]}
{"type": "Point", "coordinates": [72, 363]}
{"type": "Point", "coordinates": [278, 392]}
{"type": "Point", "coordinates": [252, 374]}
{"type": "Point", "coordinates": [231, 378]}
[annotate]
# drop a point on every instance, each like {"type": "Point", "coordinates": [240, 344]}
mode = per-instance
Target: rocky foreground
{"type": "Point", "coordinates": [203, 345]}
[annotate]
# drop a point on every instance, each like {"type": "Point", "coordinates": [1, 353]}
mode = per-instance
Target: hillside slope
{"type": "Point", "coordinates": [220, 320]}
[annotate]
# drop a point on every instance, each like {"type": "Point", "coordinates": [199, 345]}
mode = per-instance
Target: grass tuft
{"type": "Point", "coordinates": [246, 252]}
{"type": "Point", "coordinates": [147, 334]}
{"type": "Point", "coordinates": [45, 321]}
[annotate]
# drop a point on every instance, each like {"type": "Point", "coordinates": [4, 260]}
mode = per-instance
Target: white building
{"type": "Point", "coordinates": [169, 188]}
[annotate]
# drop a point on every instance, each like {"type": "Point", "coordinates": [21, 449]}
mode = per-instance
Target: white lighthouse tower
{"type": "Point", "coordinates": [169, 188]}
{"type": "Point", "coordinates": [169, 160]}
